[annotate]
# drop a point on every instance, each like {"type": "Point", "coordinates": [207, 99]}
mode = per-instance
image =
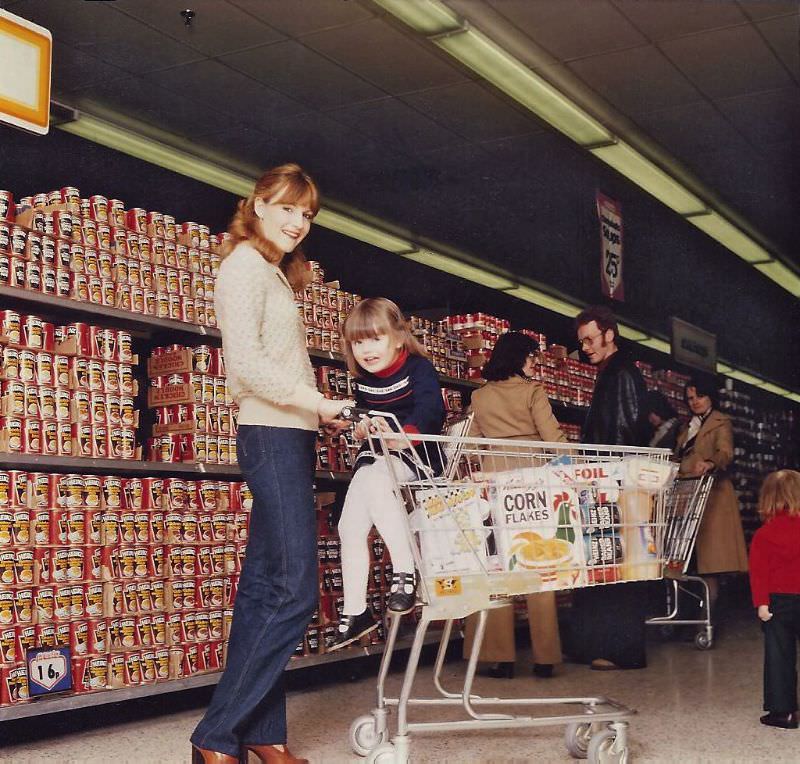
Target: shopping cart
{"type": "Point", "coordinates": [517, 517]}
{"type": "Point", "coordinates": [686, 502]}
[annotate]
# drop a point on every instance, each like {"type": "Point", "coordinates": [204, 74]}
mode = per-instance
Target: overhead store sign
{"type": "Point", "coordinates": [609, 214]}
{"type": "Point", "coordinates": [26, 55]}
{"type": "Point", "coordinates": [694, 347]}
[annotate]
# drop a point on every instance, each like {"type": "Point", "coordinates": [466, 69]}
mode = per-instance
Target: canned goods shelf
{"type": "Point", "coordinates": [73, 702]}
{"type": "Point", "coordinates": [111, 316]}
{"type": "Point", "coordinates": [82, 465]}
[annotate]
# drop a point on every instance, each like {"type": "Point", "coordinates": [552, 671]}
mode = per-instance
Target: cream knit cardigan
{"type": "Point", "coordinates": [264, 343]}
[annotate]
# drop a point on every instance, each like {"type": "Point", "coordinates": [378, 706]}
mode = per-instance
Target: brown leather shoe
{"type": "Point", "coordinates": [204, 756]}
{"type": "Point", "coordinates": [272, 754]}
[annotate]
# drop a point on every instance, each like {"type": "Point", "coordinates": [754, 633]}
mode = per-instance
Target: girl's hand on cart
{"type": "Point", "coordinates": [379, 424]}
{"type": "Point", "coordinates": [362, 429]}
{"type": "Point", "coordinates": [764, 613]}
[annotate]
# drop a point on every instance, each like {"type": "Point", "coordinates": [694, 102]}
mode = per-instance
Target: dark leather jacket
{"type": "Point", "coordinates": [618, 414]}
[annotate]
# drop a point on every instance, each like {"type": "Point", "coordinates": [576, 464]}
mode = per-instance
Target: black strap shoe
{"type": "Point", "coordinates": [403, 594]}
{"type": "Point", "coordinates": [352, 628]}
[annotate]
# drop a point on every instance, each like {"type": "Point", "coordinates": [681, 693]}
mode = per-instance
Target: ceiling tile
{"type": "Point", "coordinates": [300, 17]}
{"type": "Point", "coordinates": [782, 36]}
{"type": "Point", "coordinates": [218, 27]}
{"type": "Point", "coordinates": [142, 100]}
{"type": "Point", "coordinates": [302, 74]}
{"type": "Point", "coordinates": [385, 56]}
{"type": "Point", "coordinates": [727, 62]}
{"type": "Point", "coordinates": [393, 123]}
{"type": "Point", "coordinates": [657, 84]}
{"type": "Point", "coordinates": [766, 118]}
{"type": "Point", "coordinates": [665, 20]}
{"type": "Point", "coordinates": [471, 110]}
{"type": "Point", "coordinates": [765, 9]}
{"type": "Point", "coordinates": [101, 31]}
{"type": "Point", "coordinates": [571, 28]}
{"type": "Point", "coordinates": [74, 69]}
{"type": "Point", "coordinates": [690, 131]}
{"type": "Point", "coordinates": [223, 89]}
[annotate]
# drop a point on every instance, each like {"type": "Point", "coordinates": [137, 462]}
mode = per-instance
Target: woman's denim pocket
{"type": "Point", "coordinates": [250, 447]}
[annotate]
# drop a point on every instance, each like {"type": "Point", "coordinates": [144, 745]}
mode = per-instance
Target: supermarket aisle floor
{"type": "Point", "coordinates": [693, 707]}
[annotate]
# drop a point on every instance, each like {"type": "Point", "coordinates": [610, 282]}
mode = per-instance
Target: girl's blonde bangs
{"type": "Point", "coordinates": [366, 324]}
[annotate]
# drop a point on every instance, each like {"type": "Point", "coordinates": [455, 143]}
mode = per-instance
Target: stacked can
{"type": "Point", "coordinates": [335, 453]}
{"type": "Point", "coordinates": [93, 250]}
{"type": "Point", "coordinates": [137, 576]}
{"type": "Point", "coordinates": [324, 309]}
{"type": "Point", "coordinates": [62, 398]}
{"type": "Point", "coordinates": [206, 527]}
{"type": "Point", "coordinates": [199, 424]}
{"type": "Point", "coordinates": [443, 345]}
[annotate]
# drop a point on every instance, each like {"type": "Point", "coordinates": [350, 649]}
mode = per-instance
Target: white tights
{"type": "Point", "coordinates": [371, 501]}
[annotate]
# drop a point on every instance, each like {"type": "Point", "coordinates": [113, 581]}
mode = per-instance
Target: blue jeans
{"type": "Point", "coordinates": [278, 591]}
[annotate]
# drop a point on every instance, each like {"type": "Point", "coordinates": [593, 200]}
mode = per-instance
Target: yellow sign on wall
{"type": "Point", "coordinates": [26, 54]}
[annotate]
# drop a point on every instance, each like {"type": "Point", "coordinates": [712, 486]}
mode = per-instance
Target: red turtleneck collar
{"type": "Point", "coordinates": [395, 365]}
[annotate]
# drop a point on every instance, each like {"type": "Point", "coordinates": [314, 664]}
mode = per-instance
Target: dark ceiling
{"type": "Point", "coordinates": [392, 126]}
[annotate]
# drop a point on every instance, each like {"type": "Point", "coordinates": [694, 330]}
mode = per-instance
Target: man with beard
{"type": "Point", "coordinates": [608, 622]}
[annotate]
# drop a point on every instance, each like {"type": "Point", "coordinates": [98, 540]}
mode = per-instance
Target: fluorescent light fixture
{"type": "Point", "coordinates": [518, 81]}
{"type": "Point", "coordinates": [727, 234]}
{"type": "Point", "coordinates": [355, 229]}
{"type": "Point", "coordinates": [629, 333]}
{"type": "Point", "coordinates": [544, 300]}
{"type": "Point", "coordinates": [780, 274]}
{"type": "Point", "coordinates": [743, 376]}
{"type": "Point", "coordinates": [650, 177]}
{"type": "Point", "coordinates": [160, 154]}
{"type": "Point", "coordinates": [426, 17]}
{"type": "Point", "coordinates": [481, 54]}
{"type": "Point", "coordinates": [723, 368]}
{"type": "Point", "coordinates": [656, 344]}
{"type": "Point", "coordinates": [461, 269]}
{"type": "Point", "coordinates": [772, 388]}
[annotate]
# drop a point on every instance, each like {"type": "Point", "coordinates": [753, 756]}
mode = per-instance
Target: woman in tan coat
{"type": "Point", "coordinates": [705, 445]}
{"type": "Point", "coordinates": [512, 405]}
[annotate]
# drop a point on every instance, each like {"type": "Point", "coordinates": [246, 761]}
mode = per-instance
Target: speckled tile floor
{"type": "Point", "coordinates": [692, 707]}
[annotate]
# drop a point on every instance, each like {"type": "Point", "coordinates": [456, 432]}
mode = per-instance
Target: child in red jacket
{"type": "Point", "coordinates": [775, 584]}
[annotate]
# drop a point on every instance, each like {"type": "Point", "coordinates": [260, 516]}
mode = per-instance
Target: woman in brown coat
{"type": "Point", "coordinates": [705, 445]}
{"type": "Point", "coordinates": [512, 405]}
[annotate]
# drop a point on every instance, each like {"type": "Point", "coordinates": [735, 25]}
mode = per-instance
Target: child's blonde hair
{"type": "Point", "coordinates": [780, 492]}
{"type": "Point", "coordinates": [371, 318]}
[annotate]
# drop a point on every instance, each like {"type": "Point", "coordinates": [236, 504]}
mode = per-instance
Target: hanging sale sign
{"type": "Point", "coordinates": [609, 214]}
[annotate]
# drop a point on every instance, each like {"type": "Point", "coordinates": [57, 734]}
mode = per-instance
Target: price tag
{"type": "Point", "coordinates": [48, 670]}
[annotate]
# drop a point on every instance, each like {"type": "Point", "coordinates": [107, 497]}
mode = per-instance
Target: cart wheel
{"type": "Point", "coordinates": [703, 641]}
{"type": "Point", "coordinates": [603, 749]}
{"type": "Point", "coordinates": [576, 737]}
{"type": "Point", "coordinates": [363, 736]}
{"type": "Point", "coordinates": [383, 754]}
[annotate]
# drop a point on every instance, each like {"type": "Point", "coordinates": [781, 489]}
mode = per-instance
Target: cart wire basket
{"type": "Point", "coordinates": [686, 502]}
{"type": "Point", "coordinates": [511, 517]}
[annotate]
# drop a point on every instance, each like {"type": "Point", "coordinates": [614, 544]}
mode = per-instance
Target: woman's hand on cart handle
{"type": "Point", "coordinates": [704, 467]}
{"type": "Point", "coordinates": [332, 413]}
{"type": "Point", "coordinates": [764, 613]}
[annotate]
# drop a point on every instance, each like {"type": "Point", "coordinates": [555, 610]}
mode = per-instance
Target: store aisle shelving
{"type": "Point", "coordinates": [693, 707]}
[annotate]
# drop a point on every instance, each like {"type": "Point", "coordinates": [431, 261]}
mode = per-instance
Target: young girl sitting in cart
{"type": "Point", "coordinates": [775, 585]}
{"type": "Point", "coordinates": [392, 375]}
